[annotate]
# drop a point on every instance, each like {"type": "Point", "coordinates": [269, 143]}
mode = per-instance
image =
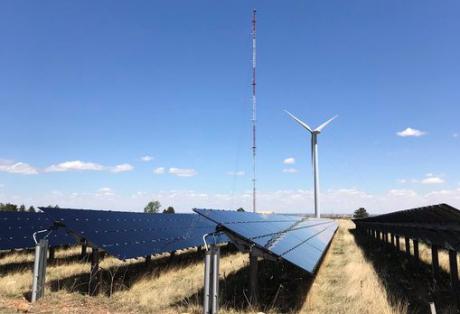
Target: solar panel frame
{"type": "Point", "coordinates": [287, 238]}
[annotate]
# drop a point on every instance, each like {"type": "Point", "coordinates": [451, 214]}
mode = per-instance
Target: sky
{"type": "Point", "coordinates": [109, 105]}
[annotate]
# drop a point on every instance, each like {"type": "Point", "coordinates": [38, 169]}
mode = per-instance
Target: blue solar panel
{"type": "Point", "coordinates": [17, 228]}
{"type": "Point", "coordinates": [298, 240]}
{"type": "Point", "coordinates": [128, 234]}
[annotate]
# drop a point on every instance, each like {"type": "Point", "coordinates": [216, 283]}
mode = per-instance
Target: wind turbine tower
{"type": "Point", "coordinates": [314, 155]}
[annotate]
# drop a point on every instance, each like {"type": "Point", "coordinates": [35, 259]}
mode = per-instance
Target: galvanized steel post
{"type": "Point", "coordinates": [435, 265]}
{"type": "Point", "coordinates": [253, 280]}
{"type": "Point", "coordinates": [38, 283]}
{"type": "Point", "coordinates": [454, 276]}
{"type": "Point", "coordinates": [211, 280]}
{"type": "Point", "coordinates": [94, 276]}
{"type": "Point", "coordinates": [416, 252]}
{"type": "Point", "coordinates": [406, 240]}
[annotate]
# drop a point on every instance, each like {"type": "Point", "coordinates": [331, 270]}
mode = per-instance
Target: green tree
{"type": "Point", "coordinates": [8, 207]}
{"type": "Point", "coordinates": [360, 213]}
{"type": "Point", "coordinates": [169, 210]}
{"type": "Point", "coordinates": [241, 209]}
{"type": "Point", "coordinates": [31, 209]}
{"type": "Point", "coordinates": [51, 206]}
{"type": "Point", "coordinates": [152, 207]}
{"type": "Point", "coordinates": [22, 208]}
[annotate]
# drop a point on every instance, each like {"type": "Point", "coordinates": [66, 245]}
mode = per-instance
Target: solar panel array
{"type": "Point", "coordinates": [128, 234]}
{"type": "Point", "coordinates": [17, 228]}
{"type": "Point", "coordinates": [435, 224]}
{"type": "Point", "coordinates": [298, 240]}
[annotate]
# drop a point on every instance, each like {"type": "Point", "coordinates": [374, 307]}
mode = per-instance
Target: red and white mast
{"type": "Point", "coordinates": [254, 110]}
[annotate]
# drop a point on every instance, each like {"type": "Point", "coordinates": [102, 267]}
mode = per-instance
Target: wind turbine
{"type": "Point", "coordinates": [314, 155]}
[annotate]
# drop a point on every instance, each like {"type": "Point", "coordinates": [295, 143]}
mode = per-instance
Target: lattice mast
{"type": "Point", "coordinates": [254, 110]}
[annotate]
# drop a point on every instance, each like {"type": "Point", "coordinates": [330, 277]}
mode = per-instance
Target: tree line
{"type": "Point", "coordinates": [8, 207]}
{"type": "Point", "coordinates": [151, 207]}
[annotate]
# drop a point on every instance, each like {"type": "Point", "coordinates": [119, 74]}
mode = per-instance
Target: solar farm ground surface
{"type": "Point", "coordinates": [350, 279]}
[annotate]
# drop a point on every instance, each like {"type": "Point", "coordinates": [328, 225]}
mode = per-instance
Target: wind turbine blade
{"type": "Point", "coordinates": [322, 126]}
{"type": "Point", "coordinates": [299, 121]}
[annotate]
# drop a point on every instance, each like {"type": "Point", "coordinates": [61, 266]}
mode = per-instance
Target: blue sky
{"type": "Point", "coordinates": [86, 86]}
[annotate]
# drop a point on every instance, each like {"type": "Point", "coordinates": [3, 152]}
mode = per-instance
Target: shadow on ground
{"type": "Point", "coordinates": [122, 277]}
{"type": "Point", "coordinates": [17, 267]}
{"type": "Point", "coordinates": [282, 289]}
{"type": "Point", "coordinates": [404, 278]}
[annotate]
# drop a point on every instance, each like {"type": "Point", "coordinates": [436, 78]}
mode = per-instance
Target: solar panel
{"type": "Point", "coordinates": [17, 228]}
{"type": "Point", "coordinates": [128, 234]}
{"type": "Point", "coordinates": [298, 240]}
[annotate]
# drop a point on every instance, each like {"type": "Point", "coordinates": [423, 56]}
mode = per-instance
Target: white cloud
{"type": "Point", "coordinates": [340, 200]}
{"type": "Point", "coordinates": [401, 193]}
{"type": "Point", "coordinates": [159, 170]}
{"type": "Point", "coordinates": [182, 172]}
{"type": "Point", "coordinates": [17, 167]}
{"type": "Point", "coordinates": [74, 165]}
{"type": "Point", "coordinates": [409, 132]}
{"type": "Point", "coordinates": [122, 168]}
{"type": "Point", "coordinates": [105, 192]}
{"type": "Point", "coordinates": [289, 161]}
{"type": "Point", "coordinates": [432, 180]}
{"type": "Point", "coordinates": [146, 158]}
{"type": "Point", "coordinates": [455, 135]}
{"type": "Point", "coordinates": [236, 173]}
{"type": "Point", "coordinates": [138, 194]}
{"type": "Point", "coordinates": [290, 170]}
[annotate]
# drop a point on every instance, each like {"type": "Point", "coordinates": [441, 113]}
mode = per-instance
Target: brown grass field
{"type": "Point", "coordinates": [357, 275]}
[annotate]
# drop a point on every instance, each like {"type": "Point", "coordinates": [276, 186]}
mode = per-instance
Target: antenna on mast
{"type": "Point", "coordinates": [254, 110]}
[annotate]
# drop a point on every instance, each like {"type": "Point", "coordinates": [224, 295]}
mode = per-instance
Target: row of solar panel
{"type": "Point", "coordinates": [122, 234]}
{"type": "Point", "coordinates": [128, 235]}
{"type": "Point", "coordinates": [125, 235]}
{"type": "Point", "coordinates": [298, 240]}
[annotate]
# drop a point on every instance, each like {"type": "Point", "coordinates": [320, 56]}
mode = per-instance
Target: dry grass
{"type": "Point", "coordinates": [425, 254]}
{"type": "Point", "coordinates": [345, 283]}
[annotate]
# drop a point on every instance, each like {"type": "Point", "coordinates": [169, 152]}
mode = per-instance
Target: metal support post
{"type": "Point", "coordinates": [94, 276]}
{"type": "Point", "coordinates": [392, 239]}
{"type": "Point", "coordinates": [398, 244]}
{"type": "Point", "coordinates": [454, 276]}
{"type": "Point", "coordinates": [211, 280]}
{"type": "Point", "coordinates": [435, 265]}
{"type": "Point", "coordinates": [148, 259]}
{"type": "Point", "coordinates": [406, 240]}
{"type": "Point", "coordinates": [38, 283]}
{"type": "Point", "coordinates": [51, 254]}
{"type": "Point", "coordinates": [253, 279]}
{"type": "Point", "coordinates": [416, 252]}
{"type": "Point", "coordinates": [83, 253]}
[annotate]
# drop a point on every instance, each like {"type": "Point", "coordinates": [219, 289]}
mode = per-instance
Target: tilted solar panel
{"type": "Point", "coordinates": [17, 228]}
{"type": "Point", "coordinates": [300, 241]}
{"type": "Point", "coordinates": [128, 234]}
